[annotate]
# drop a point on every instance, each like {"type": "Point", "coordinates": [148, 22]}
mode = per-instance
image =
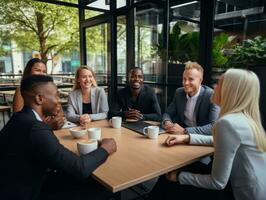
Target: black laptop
{"type": "Point", "coordinates": [139, 126]}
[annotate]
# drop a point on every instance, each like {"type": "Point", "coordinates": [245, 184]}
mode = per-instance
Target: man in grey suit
{"type": "Point", "coordinates": [191, 110]}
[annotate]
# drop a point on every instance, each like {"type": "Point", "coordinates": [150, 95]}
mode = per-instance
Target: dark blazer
{"type": "Point", "coordinates": [28, 148]}
{"type": "Point", "coordinates": [206, 112]}
{"type": "Point", "coordinates": [147, 104]}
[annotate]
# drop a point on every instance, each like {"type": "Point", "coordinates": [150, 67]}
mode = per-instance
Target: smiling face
{"type": "Point", "coordinates": [135, 79]}
{"type": "Point", "coordinates": [38, 69]}
{"type": "Point", "coordinates": [85, 79]}
{"type": "Point", "coordinates": [192, 79]}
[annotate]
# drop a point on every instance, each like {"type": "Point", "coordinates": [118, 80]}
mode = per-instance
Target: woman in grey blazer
{"type": "Point", "coordinates": [86, 102]}
{"type": "Point", "coordinates": [239, 143]}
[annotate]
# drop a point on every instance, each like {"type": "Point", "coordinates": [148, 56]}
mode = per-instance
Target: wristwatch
{"type": "Point", "coordinates": [185, 131]}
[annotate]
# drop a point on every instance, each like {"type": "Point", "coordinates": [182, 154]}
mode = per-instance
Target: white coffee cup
{"type": "Point", "coordinates": [77, 132]}
{"type": "Point", "coordinates": [151, 131]}
{"type": "Point", "coordinates": [87, 146]}
{"type": "Point", "coordinates": [116, 122]}
{"type": "Point", "coordinates": [94, 133]}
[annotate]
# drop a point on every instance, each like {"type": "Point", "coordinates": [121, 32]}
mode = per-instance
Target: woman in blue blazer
{"type": "Point", "coordinates": [86, 102]}
{"type": "Point", "coordinates": [239, 144]}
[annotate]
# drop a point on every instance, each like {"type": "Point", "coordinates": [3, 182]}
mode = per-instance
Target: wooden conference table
{"type": "Point", "coordinates": [138, 158]}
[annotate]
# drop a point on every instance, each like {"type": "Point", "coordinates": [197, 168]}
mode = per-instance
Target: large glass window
{"type": "Point", "coordinates": [238, 25]}
{"type": "Point", "coordinates": [148, 54]}
{"type": "Point", "coordinates": [148, 30]}
{"type": "Point", "coordinates": [102, 4]}
{"type": "Point", "coordinates": [40, 29]}
{"type": "Point", "coordinates": [183, 41]}
{"type": "Point", "coordinates": [97, 41]}
{"type": "Point", "coordinates": [121, 3]}
{"type": "Point", "coordinates": [70, 1]}
{"type": "Point", "coordinates": [91, 13]}
{"type": "Point", "coordinates": [184, 33]}
{"type": "Point", "coordinates": [240, 40]}
{"type": "Point", "coordinates": [121, 50]}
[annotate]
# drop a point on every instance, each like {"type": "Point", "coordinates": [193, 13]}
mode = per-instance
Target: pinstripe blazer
{"type": "Point", "coordinates": [99, 105]}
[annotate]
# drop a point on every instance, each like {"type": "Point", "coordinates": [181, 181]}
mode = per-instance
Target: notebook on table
{"type": "Point", "coordinates": [139, 126]}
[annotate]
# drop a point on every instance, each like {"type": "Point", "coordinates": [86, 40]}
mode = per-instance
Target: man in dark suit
{"type": "Point", "coordinates": [28, 146]}
{"type": "Point", "coordinates": [191, 110]}
{"type": "Point", "coordinates": [136, 101]}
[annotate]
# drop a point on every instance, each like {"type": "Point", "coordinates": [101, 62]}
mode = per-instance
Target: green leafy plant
{"type": "Point", "coordinates": [184, 47]}
{"type": "Point", "coordinates": [251, 53]}
{"type": "Point", "coordinates": [221, 43]}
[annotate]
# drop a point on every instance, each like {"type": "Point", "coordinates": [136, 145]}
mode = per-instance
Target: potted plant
{"type": "Point", "coordinates": [252, 55]}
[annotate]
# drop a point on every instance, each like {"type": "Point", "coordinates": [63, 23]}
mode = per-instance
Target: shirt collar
{"type": "Point", "coordinates": [195, 96]}
{"type": "Point", "coordinates": [36, 115]}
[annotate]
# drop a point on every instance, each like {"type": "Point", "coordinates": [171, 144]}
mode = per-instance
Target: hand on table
{"type": "Point", "coordinates": [178, 139]}
{"type": "Point", "coordinates": [133, 114]}
{"type": "Point", "coordinates": [173, 128]}
{"type": "Point", "coordinates": [109, 145]}
{"type": "Point", "coordinates": [84, 119]}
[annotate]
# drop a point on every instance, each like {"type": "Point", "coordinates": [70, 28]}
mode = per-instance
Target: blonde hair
{"type": "Point", "coordinates": [240, 93]}
{"type": "Point", "coordinates": [77, 84]}
{"type": "Point", "coordinates": [194, 65]}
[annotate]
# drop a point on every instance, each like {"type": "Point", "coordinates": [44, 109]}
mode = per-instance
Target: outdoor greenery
{"type": "Point", "coordinates": [49, 29]}
{"type": "Point", "coordinates": [221, 42]}
{"type": "Point", "coordinates": [184, 47]}
{"type": "Point", "coordinates": [40, 27]}
{"type": "Point", "coordinates": [251, 53]}
{"type": "Point", "coordinates": [4, 38]}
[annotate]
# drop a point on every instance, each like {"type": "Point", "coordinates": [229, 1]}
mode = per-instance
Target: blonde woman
{"type": "Point", "coordinates": [86, 102]}
{"type": "Point", "coordinates": [239, 141]}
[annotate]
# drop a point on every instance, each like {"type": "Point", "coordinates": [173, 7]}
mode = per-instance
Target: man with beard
{"type": "Point", "coordinates": [28, 148]}
{"type": "Point", "coordinates": [136, 101]}
{"type": "Point", "coordinates": [191, 110]}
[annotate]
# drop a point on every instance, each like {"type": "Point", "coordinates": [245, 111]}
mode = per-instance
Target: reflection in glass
{"type": "Point", "coordinates": [102, 4]}
{"type": "Point", "coordinates": [97, 39]}
{"type": "Point", "coordinates": [187, 10]}
{"type": "Point", "coordinates": [147, 30]}
{"type": "Point", "coordinates": [183, 43]}
{"type": "Point", "coordinates": [91, 13]}
{"type": "Point", "coordinates": [121, 49]}
{"type": "Point", "coordinates": [148, 56]}
{"type": "Point", "coordinates": [120, 3]}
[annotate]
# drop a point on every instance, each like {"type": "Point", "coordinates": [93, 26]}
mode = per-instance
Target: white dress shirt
{"type": "Point", "coordinates": [190, 115]}
{"type": "Point", "coordinates": [36, 115]}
